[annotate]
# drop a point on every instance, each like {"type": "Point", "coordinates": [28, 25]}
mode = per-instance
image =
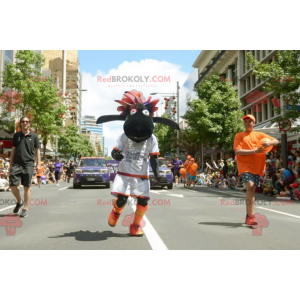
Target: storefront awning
{"type": "Point", "coordinates": [272, 129]}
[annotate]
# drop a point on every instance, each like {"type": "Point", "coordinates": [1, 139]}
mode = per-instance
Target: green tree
{"type": "Point", "coordinates": [216, 116]}
{"type": "Point", "coordinates": [73, 143]}
{"type": "Point", "coordinates": [40, 101]}
{"type": "Point", "coordinates": [283, 78]}
{"type": "Point", "coordinates": [166, 137]}
{"type": "Point", "coordinates": [189, 141]}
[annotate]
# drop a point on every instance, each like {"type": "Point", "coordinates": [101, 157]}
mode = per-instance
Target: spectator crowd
{"type": "Point", "coordinates": [277, 181]}
{"type": "Point", "coordinates": [51, 172]}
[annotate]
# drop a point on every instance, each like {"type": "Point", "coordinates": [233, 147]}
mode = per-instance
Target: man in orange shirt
{"type": "Point", "coordinates": [193, 171]}
{"type": "Point", "coordinates": [251, 161]}
{"type": "Point", "coordinates": [186, 165]}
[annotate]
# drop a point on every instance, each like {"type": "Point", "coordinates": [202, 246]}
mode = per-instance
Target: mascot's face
{"type": "Point", "coordinates": [139, 123]}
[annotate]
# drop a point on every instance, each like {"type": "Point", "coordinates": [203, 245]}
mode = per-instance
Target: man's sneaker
{"type": "Point", "coordinates": [18, 207]}
{"type": "Point", "coordinates": [24, 213]}
{"type": "Point", "coordinates": [250, 220]}
{"type": "Point", "coordinates": [57, 184]}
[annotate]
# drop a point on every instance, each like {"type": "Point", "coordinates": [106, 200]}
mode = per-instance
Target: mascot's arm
{"type": "Point", "coordinates": [155, 168]}
{"type": "Point", "coordinates": [116, 155]}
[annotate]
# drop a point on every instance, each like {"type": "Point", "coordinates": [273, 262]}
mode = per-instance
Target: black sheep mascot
{"type": "Point", "coordinates": [133, 149]}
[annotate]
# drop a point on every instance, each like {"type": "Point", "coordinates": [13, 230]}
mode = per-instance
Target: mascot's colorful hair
{"type": "Point", "coordinates": [132, 99]}
{"type": "Point", "coordinates": [135, 99]}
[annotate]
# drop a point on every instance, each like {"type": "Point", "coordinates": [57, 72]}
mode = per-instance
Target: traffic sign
{"type": "Point", "coordinates": [290, 107]}
{"type": "Point", "coordinates": [285, 125]}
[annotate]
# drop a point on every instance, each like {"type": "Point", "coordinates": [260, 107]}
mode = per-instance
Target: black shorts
{"type": "Point", "coordinates": [57, 175]}
{"type": "Point", "coordinates": [23, 173]}
{"type": "Point", "coordinates": [177, 173]}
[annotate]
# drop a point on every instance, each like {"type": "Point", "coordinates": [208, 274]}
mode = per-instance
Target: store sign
{"type": "Point", "coordinates": [6, 144]}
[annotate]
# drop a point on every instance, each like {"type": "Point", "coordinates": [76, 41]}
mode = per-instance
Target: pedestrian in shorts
{"type": "Point", "coordinates": [251, 161]}
{"type": "Point", "coordinates": [26, 148]}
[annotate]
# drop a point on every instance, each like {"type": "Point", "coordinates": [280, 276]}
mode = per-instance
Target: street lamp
{"type": "Point", "coordinates": [177, 110]}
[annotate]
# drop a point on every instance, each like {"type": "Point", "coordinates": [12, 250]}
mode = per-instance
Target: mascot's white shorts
{"type": "Point", "coordinates": [131, 186]}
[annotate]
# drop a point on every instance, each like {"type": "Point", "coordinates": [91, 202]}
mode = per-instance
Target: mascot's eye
{"type": "Point", "coordinates": [146, 112]}
{"type": "Point", "coordinates": [132, 112]}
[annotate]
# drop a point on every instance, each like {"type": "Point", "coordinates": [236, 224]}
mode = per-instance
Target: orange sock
{"type": "Point", "coordinates": [139, 213]}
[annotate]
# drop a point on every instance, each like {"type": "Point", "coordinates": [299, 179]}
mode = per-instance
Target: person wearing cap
{"type": "Point", "coordinates": [251, 161]}
{"type": "Point", "coordinates": [193, 172]}
{"type": "Point", "coordinates": [186, 166]}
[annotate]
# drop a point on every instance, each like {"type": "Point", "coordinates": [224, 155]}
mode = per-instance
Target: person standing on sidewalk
{"type": "Point", "coordinates": [251, 161]}
{"type": "Point", "coordinates": [58, 170]}
{"type": "Point", "coordinates": [26, 147]}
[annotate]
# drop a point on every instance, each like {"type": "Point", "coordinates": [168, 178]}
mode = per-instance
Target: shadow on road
{"type": "Point", "coordinates": [229, 225]}
{"type": "Point", "coordinates": [91, 236]}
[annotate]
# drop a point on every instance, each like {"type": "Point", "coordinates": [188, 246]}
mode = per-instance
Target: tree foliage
{"type": "Point", "coordinates": [216, 116]}
{"type": "Point", "coordinates": [283, 77]}
{"type": "Point", "coordinates": [166, 137]}
{"type": "Point", "coordinates": [40, 101]}
{"type": "Point", "coordinates": [73, 143]}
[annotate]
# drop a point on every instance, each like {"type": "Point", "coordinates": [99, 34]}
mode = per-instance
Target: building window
{"type": "Point", "coordinates": [8, 56]}
{"type": "Point", "coordinates": [253, 82]}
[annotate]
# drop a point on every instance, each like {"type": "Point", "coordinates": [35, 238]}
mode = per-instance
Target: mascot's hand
{"type": "Point", "coordinates": [155, 181]}
{"type": "Point", "coordinates": [118, 156]}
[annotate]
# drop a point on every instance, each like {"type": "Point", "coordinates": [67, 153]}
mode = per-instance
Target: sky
{"type": "Point", "coordinates": [148, 72]}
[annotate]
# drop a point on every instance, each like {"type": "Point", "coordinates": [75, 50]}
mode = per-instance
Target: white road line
{"type": "Point", "coordinates": [155, 192]}
{"type": "Point", "coordinates": [175, 195]}
{"type": "Point", "coordinates": [63, 188]}
{"type": "Point", "coordinates": [8, 207]}
{"type": "Point", "coordinates": [153, 238]}
{"type": "Point", "coordinates": [279, 212]}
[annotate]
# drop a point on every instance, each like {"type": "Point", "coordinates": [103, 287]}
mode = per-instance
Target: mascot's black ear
{"type": "Point", "coordinates": [109, 118]}
{"type": "Point", "coordinates": [166, 121]}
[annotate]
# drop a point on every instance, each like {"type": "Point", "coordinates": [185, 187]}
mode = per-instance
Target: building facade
{"type": "Point", "coordinates": [93, 131]}
{"type": "Point", "coordinates": [64, 65]}
{"type": "Point", "coordinates": [232, 67]}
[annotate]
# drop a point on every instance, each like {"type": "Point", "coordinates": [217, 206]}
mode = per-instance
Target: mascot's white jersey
{"type": "Point", "coordinates": [136, 155]}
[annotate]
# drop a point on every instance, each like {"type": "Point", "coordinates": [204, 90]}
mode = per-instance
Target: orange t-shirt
{"type": "Point", "coordinates": [253, 163]}
{"type": "Point", "coordinates": [193, 169]}
{"type": "Point", "coordinates": [186, 165]}
{"type": "Point", "coordinates": [41, 172]}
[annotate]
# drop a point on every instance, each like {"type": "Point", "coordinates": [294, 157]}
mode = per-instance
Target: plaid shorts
{"type": "Point", "coordinates": [251, 177]}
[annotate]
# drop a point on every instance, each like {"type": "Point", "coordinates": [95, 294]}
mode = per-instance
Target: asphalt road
{"type": "Point", "coordinates": [208, 218]}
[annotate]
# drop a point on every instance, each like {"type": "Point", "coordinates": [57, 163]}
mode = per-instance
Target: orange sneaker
{"type": "Point", "coordinates": [135, 230]}
{"type": "Point", "coordinates": [250, 220]}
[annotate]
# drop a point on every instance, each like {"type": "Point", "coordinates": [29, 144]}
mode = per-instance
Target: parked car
{"type": "Point", "coordinates": [91, 171]}
{"type": "Point", "coordinates": [165, 173]}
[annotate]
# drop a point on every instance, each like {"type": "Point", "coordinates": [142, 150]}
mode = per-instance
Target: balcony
{"type": "Point", "coordinates": [208, 68]}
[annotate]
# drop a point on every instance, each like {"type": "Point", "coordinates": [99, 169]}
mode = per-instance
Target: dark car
{"type": "Point", "coordinates": [91, 171]}
{"type": "Point", "coordinates": [165, 174]}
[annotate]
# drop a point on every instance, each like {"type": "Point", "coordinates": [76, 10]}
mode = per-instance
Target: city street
{"type": "Point", "coordinates": [208, 218]}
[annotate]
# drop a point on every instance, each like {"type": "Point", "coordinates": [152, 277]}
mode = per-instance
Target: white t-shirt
{"type": "Point", "coordinates": [136, 155]}
{"type": "Point", "coordinates": [3, 183]}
